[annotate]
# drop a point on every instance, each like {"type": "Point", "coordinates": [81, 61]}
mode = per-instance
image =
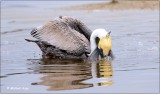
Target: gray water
{"type": "Point", "coordinates": [135, 36]}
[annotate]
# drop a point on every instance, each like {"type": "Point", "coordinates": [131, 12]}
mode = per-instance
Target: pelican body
{"type": "Point", "coordinates": [67, 37]}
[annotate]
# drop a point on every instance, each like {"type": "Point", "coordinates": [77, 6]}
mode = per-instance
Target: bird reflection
{"type": "Point", "coordinates": [104, 70]}
{"type": "Point", "coordinates": [71, 74]}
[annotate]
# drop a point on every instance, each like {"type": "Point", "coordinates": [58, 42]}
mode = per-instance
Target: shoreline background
{"type": "Point", "coordinates": [120, 5]}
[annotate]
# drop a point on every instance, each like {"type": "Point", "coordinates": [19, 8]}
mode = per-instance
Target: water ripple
{"type": "Point", "coordinates": [72, 74]}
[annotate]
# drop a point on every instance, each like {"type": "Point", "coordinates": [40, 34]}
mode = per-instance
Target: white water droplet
{"type": "Point", "coordinates": [140, 43]}
{"type": "Point", "coordinates": [153, 48]}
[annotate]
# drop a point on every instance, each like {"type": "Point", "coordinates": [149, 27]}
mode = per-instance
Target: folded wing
{"type": "Point", "coordinates": [65, 33]}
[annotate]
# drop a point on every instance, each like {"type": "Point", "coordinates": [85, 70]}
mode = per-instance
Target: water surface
{"type": "Point", "coordinates": [135, 69]}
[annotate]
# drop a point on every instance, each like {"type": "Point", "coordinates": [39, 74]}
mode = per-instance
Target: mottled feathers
{"type": "Point", "coordinates": [63, 37]}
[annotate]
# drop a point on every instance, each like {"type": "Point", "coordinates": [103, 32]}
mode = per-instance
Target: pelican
{"type": "Point", "coordinates": [67, 37]}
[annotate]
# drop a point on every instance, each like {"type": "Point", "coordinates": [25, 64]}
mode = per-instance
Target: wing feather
{"type": "Point", "coordinates": [61, 35]}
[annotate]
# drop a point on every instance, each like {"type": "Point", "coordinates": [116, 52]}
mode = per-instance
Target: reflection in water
{"type": "Point", "coordinates": [104, 70]}
{"type": "Point", "coordinates": [72, 74]}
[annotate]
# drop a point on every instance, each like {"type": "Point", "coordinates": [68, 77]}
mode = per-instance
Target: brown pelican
{"type": "Point", "coordinates": [67, 37]}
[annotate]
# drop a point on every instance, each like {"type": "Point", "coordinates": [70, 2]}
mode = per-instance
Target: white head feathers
{"type": "Point", "coordinates": [100, 33]}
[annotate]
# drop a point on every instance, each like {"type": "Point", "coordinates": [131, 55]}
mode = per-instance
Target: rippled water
{"type": "Point", "coordinates": [135, 69]}
{"type": "Point", "coordinates": [72, 74]}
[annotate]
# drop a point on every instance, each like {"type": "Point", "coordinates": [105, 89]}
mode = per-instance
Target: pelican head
{"type": "Point", "coordinates": [101, 41]}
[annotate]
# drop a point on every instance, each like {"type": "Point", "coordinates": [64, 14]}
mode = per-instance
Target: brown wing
{"type": "Point", "coordinates": [78, 26]}
{"type": "Point", "coordinates": [60, 34]}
